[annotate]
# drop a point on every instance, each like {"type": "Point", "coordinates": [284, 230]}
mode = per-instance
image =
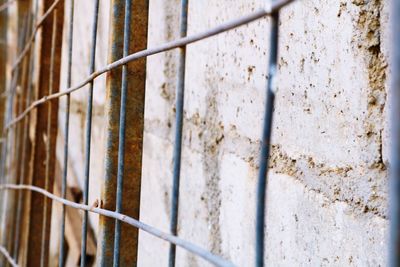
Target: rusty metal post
{"type": "Point", "coordinates": [40, 171]}
{"type": "Point", "coordinates": [24, 9]}
{"type": "Point", "coordinates": [3, 59]}
{"type": "Point", "coordinates": [3, 85]}
{"type": "Point", "coordinates": [22, 209]}
{"type": "Point", "coordinates": [14, 99]}
{"type": "Point", "coordinates": [136, 80]}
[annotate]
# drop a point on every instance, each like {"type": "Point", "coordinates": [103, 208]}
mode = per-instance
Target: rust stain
{"type": "Point", "coordinates": [39, 151]}
{"type": "Point", "coordinates": [134, 134]}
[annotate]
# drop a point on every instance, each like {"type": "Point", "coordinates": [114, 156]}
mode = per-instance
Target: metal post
{"type": "Point", "coordinates": [21, 150]}
{"type": "Point", "coordinates": [180, 89]}
{"type": "Point", "coordinates": [3, 64]}
{"type": "Point", "coordinates": [39, 170]}
{"type": "Point", "coordinates": [48, 140]}
{"type": "Point", "coordinates": [26, 147]}
{"type": "Point", "coordinates": [122, 126]}
{"type": "Point", "coordinates": [134, 116]}
{"type": "Point", "coordinates": [11, 143]}
{"type": "Point", "coordinates": [3, 58]}
{"type": "Point", "coordinates": [394, 170]}
{"type": "Point", "coordinates": [3, 87]}
{"type": "Point", "coordinates": [266, 141]}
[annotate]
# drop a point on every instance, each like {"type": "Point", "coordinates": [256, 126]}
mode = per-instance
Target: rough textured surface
{"type": "Point", "coordinates": [328, 187]}
{"type": "Point", "coordinates": [314, 231]}
{"type": "Point", "coordinates": [327, 195]}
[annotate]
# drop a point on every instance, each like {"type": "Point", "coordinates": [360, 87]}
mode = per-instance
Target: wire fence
{"type": "Point", "coordinates": [16, 149]}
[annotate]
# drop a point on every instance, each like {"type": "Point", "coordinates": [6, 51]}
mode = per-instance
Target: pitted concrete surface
{"type": "Point", "coordinates": [327, 201]}
{"type": "Point", "coordinates": [327, 195]}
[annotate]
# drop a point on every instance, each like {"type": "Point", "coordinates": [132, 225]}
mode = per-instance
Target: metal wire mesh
{"type": "Point", "coordinates": [15, 121]}
{"type": "Point", "coordinates": [17, 125]}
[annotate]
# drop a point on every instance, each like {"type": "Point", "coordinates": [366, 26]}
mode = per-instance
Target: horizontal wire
{"type": "Point", "coordinates": [216, 260]}
{"type": "Point", "coordinates": [33, 36]}
{"type": "Point", "coordinates": [269, 10]}
{"type": "Point", "coordinates": [5, 253]}
{"type": "Point", "coordinates": [6, 5]}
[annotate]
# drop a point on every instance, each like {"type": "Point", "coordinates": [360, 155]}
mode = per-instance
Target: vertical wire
{"type": "Point", "coordinates": [24, 140]}
{"type": "Point", "coordinates": [10, 93]}
{"type": "Point", "coordinates": [66, 135]}
{"type": "Point", "coordinates": [17, 139]}
{"type": "Point", "coordinates": [180, 88]}
{"type": "Point", "coordinates": [48, 140]}
{"type": "Point", "coordinates": [17, 159]}
{"type": "Point", "coordinates": [88, 133]}
{"type": "Point", "coordinates": [266, 141]}
{"type": "Point", "coordinates": [394, 166]}
{"type": "Point", "coordinates": [122, 122]}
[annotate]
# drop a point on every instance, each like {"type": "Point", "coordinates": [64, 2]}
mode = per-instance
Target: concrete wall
{"type": "Point", "coordinates": [327, 194]}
